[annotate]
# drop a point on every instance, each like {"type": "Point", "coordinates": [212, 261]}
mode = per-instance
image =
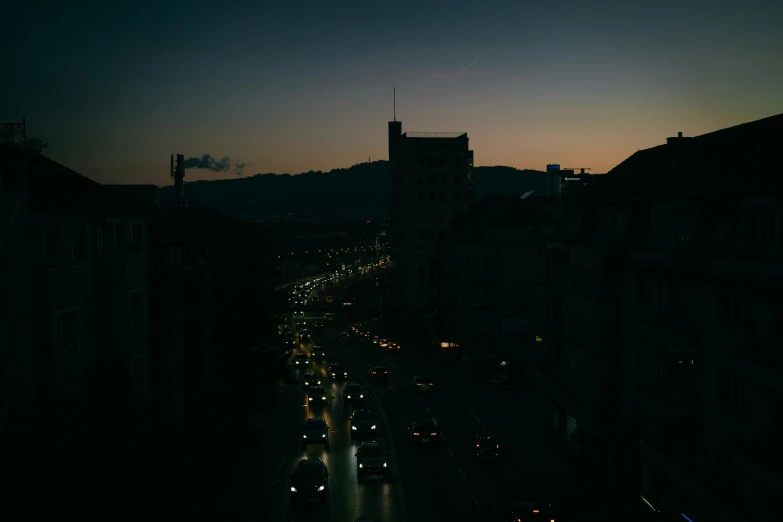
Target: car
{"type": "Point", "coordinates": [423, 383]}
{"type": "Point", "coordinates": [344, 336]}
{"type": "Point", "coordinates": [425, 433]}
{"type": "Point", "coordinates": [372, 460]}
{"type": "Point", "coordinates": [310, 380]}
{"type": "Point", "coordinates": [316, 397]}
{"type": "Point", "coordinates": [393, 347]}
{"type": "Point", "coordinates": [318, 325]}
{"type": "Point", "coordinates": [487, 447]}
{"type": "Point", "coordinates": [315, 431]}
{"type": "Point", "coordinates": [530, 511]}
{"type": "Point", "coordinates": [379, 373]}
{"type": "Point", "coordinates": [310, 481]}
{"type": "Point", "coordinates": [304, 336]}
{"type": "Point", "coordinates": [301, 359]}
{"type": "Point", "coordinates": [318, 353]}
{"type": "Point", "coordinates": [352, 393]}
{"type": "Point", "coordinates": [375, 339]}
{"type": "Point", "coordinates": [363, 425]}
{"type": "Point", "coordinates": [383, 343]}
{"type": "Point", "coordinates": [338, 372]}
{"type": "Point", "coordinates": [315, 299]}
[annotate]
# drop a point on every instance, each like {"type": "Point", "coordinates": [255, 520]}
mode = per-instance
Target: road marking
{"type": "Point", "coordinates": [462, 474]}
{"type": "Point", "coordinates": [434, 421]}
{"type": "Point", "coordinates": [476, 502]}
{"type": "Point", "coordinates": [470, 411]}
{"type": "Point", "coordinates": [451, 453]}
{"type": "Point", "coordinates": [426, 408]}
{"type": "Point", "coordinates": [419, 399]}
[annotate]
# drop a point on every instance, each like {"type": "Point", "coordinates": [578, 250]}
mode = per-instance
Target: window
{"type": "Point", "coordinates": [422, 196]}
{"type": "Point", "coordinates": [422, 274]}
{"type": "Point", "coordinates": [137, 307]}
{"type": "Point", "coordinates": [442, 160]}
{"type": "Point", "coordinates": [458, 196]}
{"type": "Point", "coordinates": [456, 160]}
{"type": "Point", "coordinates": [758, 225]}
{"type": "Point", "coordinates": [421, 160]}
{"type": "Point", "coordinates": [442, 197]}
{"type": "Point", "coordinates": [681, 224]}
{"type": "Point", "coordinates": [731, 393]}
{"type": "Point", "coordinates": [432, 196]}
{"type": "Point", "coordinates": [137, 241]}
{"type": "Point", "coordinates": [432, 160]}
{"type": "Point", "coordinates": [68, 332]}
{"type": "Point", "coordinates": [442, 179]}
{"type": "Point", "coordinates": [432, 233]}
{"type": "Point", "coordinates": [50, 239]}
{"type": "Point", "coordinates": [456, 180]}
{"type": "Point", "coordinates": [139, 374]}
{"type": "Point", "coordinates": [432, 179]}
{"type": "Point", "coordinates": [733, 310]}
{"type": "Point", "coordinates": [422, 234]}
{"type": "Point", "coordinates": [78, 241]}
{"type": "Point", "coordinates": [421, 179]}
{"type": "Point", "coordinates": [99, 237]}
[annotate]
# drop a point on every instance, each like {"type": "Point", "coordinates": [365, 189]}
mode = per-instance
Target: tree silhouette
{"type": "Point", "coordinates": [11, 136]}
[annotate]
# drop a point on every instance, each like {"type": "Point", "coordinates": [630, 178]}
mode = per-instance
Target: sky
{"type": "Point", "coordinates": [288, 87]}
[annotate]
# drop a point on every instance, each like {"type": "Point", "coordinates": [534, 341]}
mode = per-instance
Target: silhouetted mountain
{"type": "Point", "coordinates": [356, 193]}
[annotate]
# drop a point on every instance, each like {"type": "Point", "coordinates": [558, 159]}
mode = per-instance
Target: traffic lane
{"type": "Point", "coordinates": [434, 486]}
{"type": "Point", "coordinates": [528, 466]}
{"type": "Point", "coordinates": [348, 500]}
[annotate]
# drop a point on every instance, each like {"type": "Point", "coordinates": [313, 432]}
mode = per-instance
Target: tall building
{"type": "Point", "coordinates": [661, 317]}
{"type": "Point", "coordinates": [431, 182]}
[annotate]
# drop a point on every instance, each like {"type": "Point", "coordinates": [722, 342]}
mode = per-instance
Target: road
{"type": "Point", "coordinates": [348, 499]}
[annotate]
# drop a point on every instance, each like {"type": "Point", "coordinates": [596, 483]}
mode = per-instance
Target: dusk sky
{"type": "Point", "coordinates": [117, 87]}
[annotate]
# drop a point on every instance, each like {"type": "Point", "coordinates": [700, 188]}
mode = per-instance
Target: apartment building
{"type": "Point", "coordinates": [431, 182]}
{"type": "Point", "coordinates": [662, 325]}
{"type": "Point", "coordinates": [85, 283]}
{"type": "Point", "coordinates": [489, 262]}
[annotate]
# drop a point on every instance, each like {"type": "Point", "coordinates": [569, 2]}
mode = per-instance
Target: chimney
{"type": "Point", "coordinates": [679, 134]}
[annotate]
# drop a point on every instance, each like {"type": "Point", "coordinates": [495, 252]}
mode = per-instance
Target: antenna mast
{"type": "Point", "coordinates": [395, 104]}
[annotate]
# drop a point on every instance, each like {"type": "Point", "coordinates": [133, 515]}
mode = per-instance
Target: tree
{"type": "Point", "coordinates": [12, 136]}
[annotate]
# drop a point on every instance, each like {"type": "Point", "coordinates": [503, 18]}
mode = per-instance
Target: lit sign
{"type": "Point", "coordinates": [572, 179]}
{"type": "Point", "coordinates": [346, 304]}
{"type": "Point", "coordinates": [553, 166]}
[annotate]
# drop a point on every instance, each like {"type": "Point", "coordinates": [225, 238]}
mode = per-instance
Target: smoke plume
{"type": "Point", "coordinates": [206, 161]}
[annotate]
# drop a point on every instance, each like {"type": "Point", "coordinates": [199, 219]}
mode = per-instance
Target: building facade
{"type": "Point", "coordinates": [489, 264]}
{"type": "Point", "coordinates": [661, 323]}
{"type": "Point", "coordinates": [431, 182]}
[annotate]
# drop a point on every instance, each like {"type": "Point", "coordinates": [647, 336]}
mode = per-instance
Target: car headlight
{"type": "Point", "coordinates": [346, 374]}
{"type": "Point", "coordinates": [361, 396]}
{"type": "Point", "coordinates": [293, 489]}
{"type": "Point", "coordinates": [323, 398]}
{"type": "Point", "coordinates": [323, 435]}
{"type": "Point", "coordinates": [361, 465]}
{"type": "Point", "coordinates": [348, 397]}
{"type": "Point", "coordinates": [304, 436]}
{"type": "Point", "coordinates": [385, 465]}
{"type": "Point", "coordinates": [309, 398]}
{"type": "Point", "coordinates": [353, 428]}
{"type": "Point", "coordinates": [373, 427]}
{"type": "Point", "coordinates": [321, 488]}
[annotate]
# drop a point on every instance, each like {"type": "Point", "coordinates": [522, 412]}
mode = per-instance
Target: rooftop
{"type": "Point", "coordinates": [732, 159]}
{"type": "Point", "coordinates": [417, 134]}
